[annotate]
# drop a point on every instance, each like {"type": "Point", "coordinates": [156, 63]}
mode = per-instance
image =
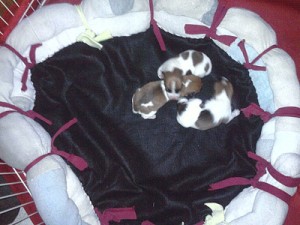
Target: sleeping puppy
{"type": "Point", "coordinates": [202, 115]}
{"type": "Point", "coordinates": [148, 99]}
{"type": "Point", "coordinates": [189, 62]}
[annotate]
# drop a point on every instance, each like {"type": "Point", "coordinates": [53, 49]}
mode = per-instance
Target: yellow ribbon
{"type": "Point", "coordinates": [217, 215]}
{"type": "Point", "coordinates": [89, 37]}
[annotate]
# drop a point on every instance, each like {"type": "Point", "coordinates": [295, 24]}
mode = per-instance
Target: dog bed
{"type": "Point", "coordinates": [76, 76]}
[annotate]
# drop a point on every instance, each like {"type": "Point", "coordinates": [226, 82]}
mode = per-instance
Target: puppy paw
{"type": "Point", "coordinates": [235, 113]}
{"type": "Point", "coordinates": [152, 117]}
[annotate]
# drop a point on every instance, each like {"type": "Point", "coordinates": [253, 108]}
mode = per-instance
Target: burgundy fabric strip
{"type": "Point", "coordinates": [234, 181]}
{"type": "Point", "coordinates": [28, 65]}
{"type": "Point", "coordinates": [263, 53]}
{"type": "Point", "coordinates": [212, 31]}
{"type": "Point", "coordinates": [250, 65]}
{"type": "Point", "coordinates": [254, 109]}
{"type": "Point", "coordinates": [156, 28]}
{"type": "Point", "coordinates": [31, 114]}
{"type": "Point", "coordinates": [36, 161]}
{"type": "Point", "coordinates": [3, 114]}
{"type": "Point", "coordinates": [261, 165]}
{"type": "Point", "coordinates": [116, 215]}
{"type": "Point", "coordinates": [285, 180]}
{"type": "Point", "coordinates": [77, 161]}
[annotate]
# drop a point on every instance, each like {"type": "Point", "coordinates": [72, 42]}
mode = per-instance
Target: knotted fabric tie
{"type": "Point", "coordinates": [77, 161]}
{"type": "Point", "coordinates": [116, 215]}
{"type": "Point", "coordinates": [89, 37]}
{"type": "Point", "coordinates": [254, 109]}
{"type": "Point", "coordinates": [155, 28]}
{"type": "Point", "coordinates": [28, 64]}
{"type": "Point", "coordinates": [264, 164]}
{"type": "Point", "coordinates": [31, 114]}
{"type": "Point", "coordinates": [261, 167]}
{"type": "Point", "coordinates": [212, 31]}
{"type": "Point", "coordinates": [251, 65]}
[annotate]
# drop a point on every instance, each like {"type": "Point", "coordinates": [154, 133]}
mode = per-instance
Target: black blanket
{"type": "Point", "coordinates": [156, 166]}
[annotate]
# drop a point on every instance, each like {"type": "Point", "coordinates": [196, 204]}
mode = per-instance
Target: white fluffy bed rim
{"type": "Point", "coordinates": [58, 26]}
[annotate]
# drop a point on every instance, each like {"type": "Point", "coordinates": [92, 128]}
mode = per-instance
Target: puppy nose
{"type": "Point", "coordinates": [181, 107]}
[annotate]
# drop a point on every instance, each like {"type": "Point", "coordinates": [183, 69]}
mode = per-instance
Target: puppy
{"type": "Point", "coordinates": [147, 100]}
{"type": "Point", "coordinates": [190, 85]}
{"type": "Point", "coordinates": [202, 115]}
{"type": "Point", "coordinates": [189, 62]}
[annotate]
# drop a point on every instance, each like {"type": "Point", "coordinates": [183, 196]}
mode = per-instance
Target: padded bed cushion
{"type": "Point", "coordinates": [126, 62]}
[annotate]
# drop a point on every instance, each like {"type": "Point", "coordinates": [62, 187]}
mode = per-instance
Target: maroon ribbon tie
{"type": "Point", "coordinates": [251, 65]}
{"type": "Point", "coordinates": [77, 161]}
{"type": "Point", "coordinates": [28, 64]}
{"type": "Point", "coordinates": [155, 28]}
{"type": "Point", "coordinates": [116, 215]}
{"type": "Point", "coordinates": [254, 109]}
{"type": "Point", "coordinates": [261, 166]}
{"type": "Point", "coordinates": [212, 30]}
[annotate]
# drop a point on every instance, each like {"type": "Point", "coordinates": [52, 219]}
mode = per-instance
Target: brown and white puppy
{"type": "Point", "coordinates": [189, 62]}
{"type": "Point", "coordinates": [191, 84]}
{"type": "Point", "coordinates": [147, 100]}
{"type": "Point", "coordinates": [206, 115]}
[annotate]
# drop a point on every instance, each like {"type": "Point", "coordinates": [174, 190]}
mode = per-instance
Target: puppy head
{"type": "Point", "coordinates": [173, 82]}
{"type": "Point", "coordinates": [188, 111]}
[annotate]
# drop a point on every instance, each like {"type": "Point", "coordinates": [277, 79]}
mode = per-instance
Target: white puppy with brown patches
{"type": "Point", "coordinates": [189, 62]}
{"type": "Point", "coordinates": [206, 115]}
{"type": "Point", "coordinates": [148, 99]}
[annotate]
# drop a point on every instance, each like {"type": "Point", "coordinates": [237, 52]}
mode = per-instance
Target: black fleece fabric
{"type": "Point", "coordinates": [158, 167]}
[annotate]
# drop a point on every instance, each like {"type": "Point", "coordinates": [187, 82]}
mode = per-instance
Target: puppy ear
{"type": "Point", "coordinates": [206, 116]}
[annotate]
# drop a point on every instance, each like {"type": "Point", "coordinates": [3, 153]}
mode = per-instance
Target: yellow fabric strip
{"type": "Point", "coordinates": [217, 215]}
{"type": "Point", "coordinates": [89, 37]}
